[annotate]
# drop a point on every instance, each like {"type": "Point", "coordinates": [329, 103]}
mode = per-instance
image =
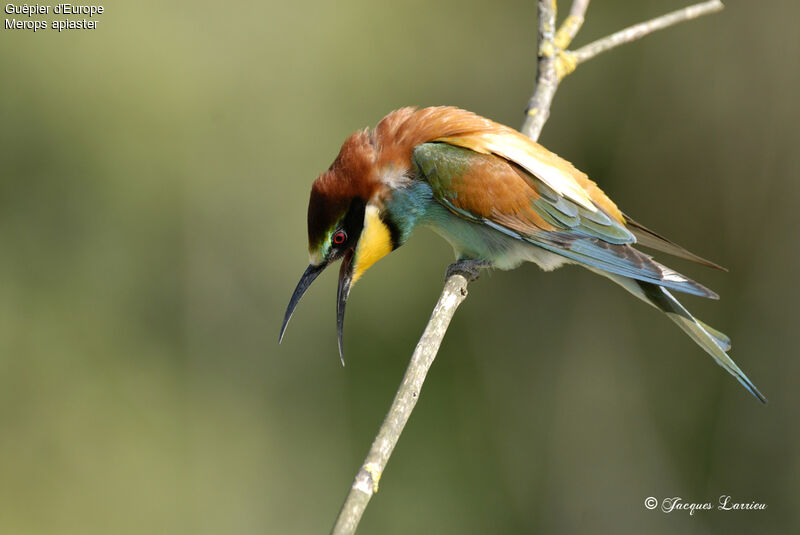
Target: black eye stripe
{"type": "Point", "coordinates": [353, 221]}
{"type": "Point", "coordinates": [350, 226]}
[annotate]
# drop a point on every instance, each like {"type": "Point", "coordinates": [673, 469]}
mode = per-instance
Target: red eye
{"type": "Point", "coordinates": [339, 237]}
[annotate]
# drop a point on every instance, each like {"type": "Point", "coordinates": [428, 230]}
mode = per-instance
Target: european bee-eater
{"type": "Point", "coordinates": [499, 198]}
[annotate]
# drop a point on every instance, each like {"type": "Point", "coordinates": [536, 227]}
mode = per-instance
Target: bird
{"type": "Point", "coordinates": [500, 199]}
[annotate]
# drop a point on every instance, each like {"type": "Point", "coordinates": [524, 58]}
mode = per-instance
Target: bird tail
{"type": "Point", "coordinates": [711, 340]}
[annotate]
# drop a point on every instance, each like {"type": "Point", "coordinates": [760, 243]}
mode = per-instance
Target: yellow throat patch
{"type": "Point", "coordinates": [374, 244]}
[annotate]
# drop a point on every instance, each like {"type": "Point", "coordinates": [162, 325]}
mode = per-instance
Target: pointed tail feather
{"type": "Point", "coordinates": [711, 340]}
{"type": "Point", "coordinates": [653, 240]}
{"type": "Point", "coordinates": [722, 339]}
{"type": "Point", "coordinates": [697, 331]}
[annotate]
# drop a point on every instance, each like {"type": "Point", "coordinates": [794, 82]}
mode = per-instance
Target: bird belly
{"type": "Point", "coordinates": [476, 241]}
{"type": "Point", "coordinates": [520, 252]}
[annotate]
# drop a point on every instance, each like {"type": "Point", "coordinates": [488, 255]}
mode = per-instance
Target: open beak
{"type": "Point", "coordinates": [345, 279]}
{"type": "Point", "coordinates": [311, 273]}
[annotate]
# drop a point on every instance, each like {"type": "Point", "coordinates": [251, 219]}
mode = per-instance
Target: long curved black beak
{"type": "Point", "coordinates": [345, 279]}
{"type": "Point", "coordinates": [311, 273]}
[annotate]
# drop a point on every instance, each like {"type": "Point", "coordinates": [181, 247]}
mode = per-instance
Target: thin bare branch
{"type": "Point", "coordinates": [572, 24]}
{"type": "Point", "coordinates": [638, 31]}
{"type": "Point", "coordinates": [555, 61]}
{"type": "Point", "coordinates": [366, 481]}
{"type": "Point", "coordinates": [538, 109]}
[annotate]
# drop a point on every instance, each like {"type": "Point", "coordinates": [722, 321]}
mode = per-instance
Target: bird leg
{"type": "Point", "coordinates": [469, 268]}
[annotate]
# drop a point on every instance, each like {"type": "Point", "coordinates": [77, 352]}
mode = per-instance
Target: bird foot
{"type": "Point", "coordinates": [469, 269]}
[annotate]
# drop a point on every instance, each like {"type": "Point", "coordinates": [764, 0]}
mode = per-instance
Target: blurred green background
{"type": "Point", "coordinates": [154, 182]}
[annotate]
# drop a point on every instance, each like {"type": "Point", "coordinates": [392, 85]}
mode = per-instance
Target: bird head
{"type": "Point", "coordinates": [345, 222]}
{"type": "Point", "coordinates": [347, 215]}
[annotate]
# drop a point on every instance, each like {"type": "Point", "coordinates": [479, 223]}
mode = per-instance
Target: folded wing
{"type": "Point", "coordinates": [488, 181]}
